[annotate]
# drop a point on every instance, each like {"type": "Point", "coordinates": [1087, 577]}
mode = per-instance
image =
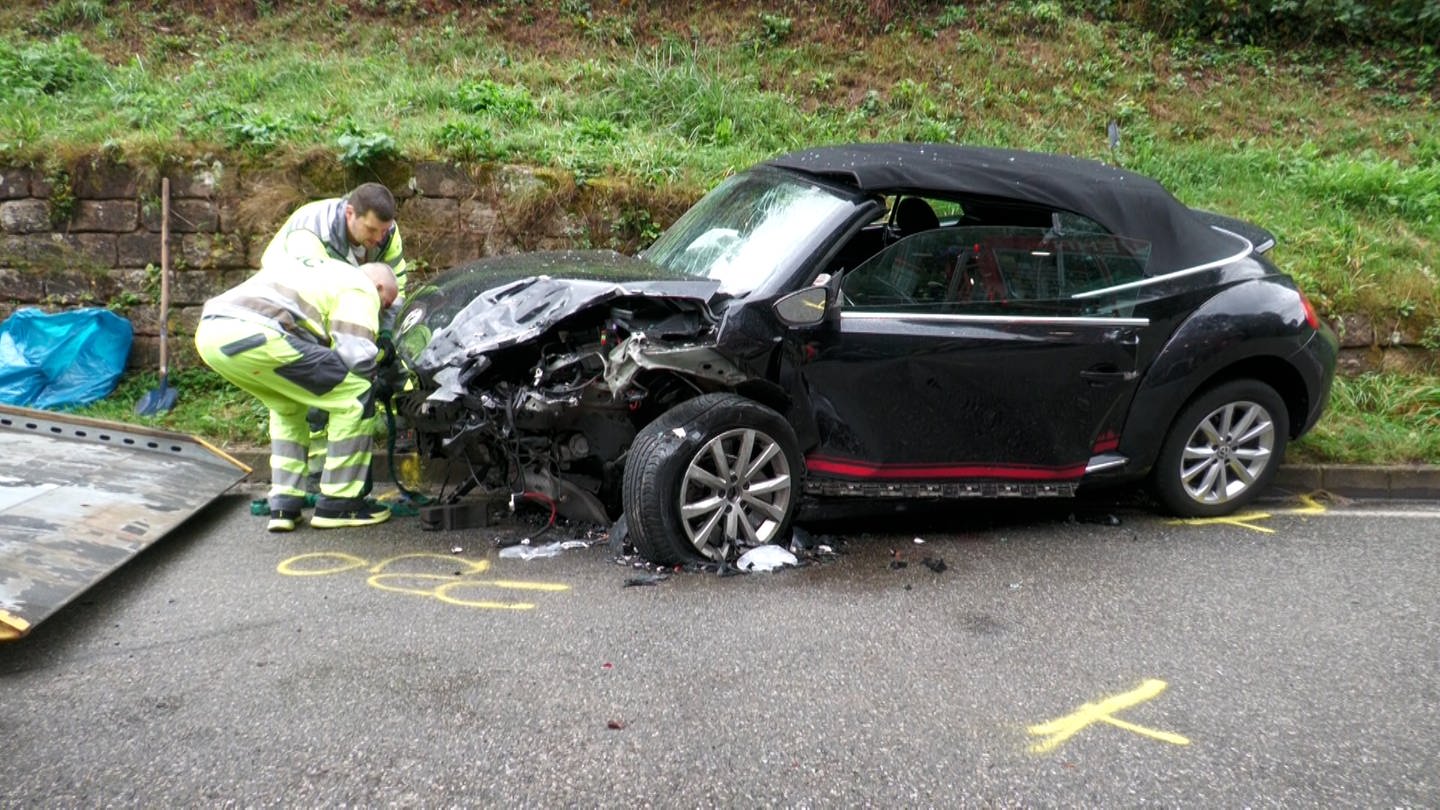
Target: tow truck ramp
{"type": "Point", "coordinates": [80, 497]}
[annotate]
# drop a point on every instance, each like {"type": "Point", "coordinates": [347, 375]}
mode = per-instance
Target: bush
{"type": "Point", "coordinates": [485, 96]}
{"type": "Point", "coordinates": [1381, 187]}
{"type": "Point", "coordinates": [466, 141]}
{"type": "Point", "coordinates": [1283, 21]}
{"type": "Point", "coordinates": [359, 148]}
{"type": "Point", "coordinates": [45, 68]}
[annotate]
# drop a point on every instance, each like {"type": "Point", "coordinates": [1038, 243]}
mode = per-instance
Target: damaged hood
{"type": "Point", "coordinates": [503, 301]}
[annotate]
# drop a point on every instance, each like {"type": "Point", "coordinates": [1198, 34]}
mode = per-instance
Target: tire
{"type": "Point", "coordinates": [1222, 450]}
{"type": "Point", "coordinates": [682, 500]}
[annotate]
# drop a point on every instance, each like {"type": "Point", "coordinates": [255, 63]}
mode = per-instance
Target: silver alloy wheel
{"type": "Point", "coordinates": [1228, 451]}
{"type": "Point", "coordinates": [737, 488]}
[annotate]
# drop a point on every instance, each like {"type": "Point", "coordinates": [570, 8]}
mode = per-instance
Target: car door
{"type": "Point", "coordinates": [977, 354]}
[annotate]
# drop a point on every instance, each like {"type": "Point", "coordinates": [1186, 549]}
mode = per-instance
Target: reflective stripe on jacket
{"type": "Point", "coordinates": [320, 301]}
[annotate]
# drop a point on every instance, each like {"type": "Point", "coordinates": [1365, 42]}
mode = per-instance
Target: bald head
{"type": "Point", "coordinates": [384, 278]}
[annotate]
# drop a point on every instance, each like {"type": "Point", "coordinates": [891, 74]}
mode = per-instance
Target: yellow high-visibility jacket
{"type": "Point", "coordinates": [321, 301]}
{"type": "Point", "coordinates": [317, 230]}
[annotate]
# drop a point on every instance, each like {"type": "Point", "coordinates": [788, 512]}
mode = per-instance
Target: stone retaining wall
{"type": "Point", "coordinates": [89, 235]}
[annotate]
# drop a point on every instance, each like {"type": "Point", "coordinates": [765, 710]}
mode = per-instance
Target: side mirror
{"type": "Point", "coordinates": [804, 307]}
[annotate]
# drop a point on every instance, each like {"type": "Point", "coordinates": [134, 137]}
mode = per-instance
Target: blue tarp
{"type": "Point", "coordinates": [62, 359]}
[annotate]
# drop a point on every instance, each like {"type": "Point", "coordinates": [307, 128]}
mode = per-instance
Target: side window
{"type": "Point", "coordinates": [1071, 224]}
{"type": "Point", "coordinates": [1000, 271]}
{"type": "Point", "coordinates": [911, 275]}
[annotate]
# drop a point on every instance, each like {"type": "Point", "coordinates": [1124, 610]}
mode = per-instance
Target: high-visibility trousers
{"type": "Point", "coordinates": [290, 376]}
{"type": "Point", "coordinates": [317, 418]}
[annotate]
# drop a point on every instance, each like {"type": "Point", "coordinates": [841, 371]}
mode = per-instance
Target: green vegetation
{"type": "Point", "coordinates": [1316, 119]}
{"type": "Point", "coordinates": [1377, 419]}
{"type": "Point", "coordinates": [205, 405]}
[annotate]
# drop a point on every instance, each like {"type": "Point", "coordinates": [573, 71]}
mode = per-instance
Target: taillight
{"type": "Point", "coordinates": [1310, 316]}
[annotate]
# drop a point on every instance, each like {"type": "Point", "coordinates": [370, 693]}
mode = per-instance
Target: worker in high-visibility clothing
{"type": "Point", "coordinates": [357, 228]}
{"type": "Point", "coordinates": [301, 335]}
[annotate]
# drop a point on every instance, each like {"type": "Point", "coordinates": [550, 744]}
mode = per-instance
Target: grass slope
{"type": "Point", "coordinates": [1337, 152]}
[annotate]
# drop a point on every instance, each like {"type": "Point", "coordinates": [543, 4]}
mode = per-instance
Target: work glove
{"type": "Point", "coordinates": [386, 346]}
{"type": "Point", "coordinates": [382, 388]}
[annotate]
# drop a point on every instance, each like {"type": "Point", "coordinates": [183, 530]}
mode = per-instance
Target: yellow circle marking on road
{"type": "Point", "coordinates": [461, 573]}
{"type": "Point", "coordinates": [341, 562]}
{"type": "Point", "coordinates": [446, 561]}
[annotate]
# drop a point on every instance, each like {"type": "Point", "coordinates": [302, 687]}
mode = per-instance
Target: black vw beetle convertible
{"type": "Point", "coordinates": [872, 321]}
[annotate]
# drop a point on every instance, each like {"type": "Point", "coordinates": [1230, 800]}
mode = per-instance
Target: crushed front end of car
{"type": "Point", "coordinates": [533, 373]}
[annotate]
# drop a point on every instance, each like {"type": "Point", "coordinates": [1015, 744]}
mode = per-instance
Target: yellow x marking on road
{"type": "Point", "coordinates": [1062, 729]}
{"type": "Point", "coordinates": [1308, 506]}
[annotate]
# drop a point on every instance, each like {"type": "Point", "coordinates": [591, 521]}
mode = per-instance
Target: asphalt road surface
{"type": "Point", "coordinates": [1289, 658]}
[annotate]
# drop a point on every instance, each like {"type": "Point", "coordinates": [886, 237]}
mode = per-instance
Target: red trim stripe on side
{"type": "Point", "coordinates": [826, 465]}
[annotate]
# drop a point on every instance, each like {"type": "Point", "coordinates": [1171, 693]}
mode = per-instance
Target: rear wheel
{"type": "Point", "coordinates": [1223, 449]}
{"type": "Point", "coordinates": [709, 478]}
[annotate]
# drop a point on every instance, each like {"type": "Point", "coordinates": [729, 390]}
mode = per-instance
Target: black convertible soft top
{"type": "Point", "coordinates": [1126, 203]}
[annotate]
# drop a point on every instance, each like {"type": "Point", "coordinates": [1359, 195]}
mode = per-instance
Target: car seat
{"type": "Point", "coordinates": [913, 215]}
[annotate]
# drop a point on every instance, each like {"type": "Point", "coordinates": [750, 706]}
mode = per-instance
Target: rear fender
{"type": "Point", "coordinates": [1238, 333]}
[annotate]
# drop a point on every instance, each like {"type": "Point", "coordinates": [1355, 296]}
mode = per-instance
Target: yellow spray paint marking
{"type": "Point", "coordinates": [1308, 506]}
{"type": "Point", "coordinates": [300, 566]}
{"type": "Point", "coordinates": [451, 588]}
{"type": "Point", "coordinates": [1062, 729]}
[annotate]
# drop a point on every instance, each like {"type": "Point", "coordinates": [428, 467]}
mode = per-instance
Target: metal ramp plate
{"type": "Point", "coordinates": [81, 497]}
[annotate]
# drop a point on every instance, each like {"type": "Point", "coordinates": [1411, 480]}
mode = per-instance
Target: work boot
{"type": "Point", "coordinates": [335, 513]}
{"type": "Point", "coordinates": [283, 520]}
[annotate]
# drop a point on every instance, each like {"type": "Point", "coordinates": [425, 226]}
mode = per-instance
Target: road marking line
{"type": "Point", "coordinates": [1384, 513]}
{"type": "Point", "coordinates": [1063, 728]}
{"type": "Point", "coordinates": [1309, 506]}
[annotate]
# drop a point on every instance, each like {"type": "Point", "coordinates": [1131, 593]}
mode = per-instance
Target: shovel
{"type": "Point", "coordinates": [162, 399]}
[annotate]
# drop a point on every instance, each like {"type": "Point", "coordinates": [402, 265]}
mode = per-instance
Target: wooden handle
{"type": "Point", "coordinates": [164, 274]}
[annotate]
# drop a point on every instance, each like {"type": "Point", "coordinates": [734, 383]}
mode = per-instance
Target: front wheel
{"type": "Point", "coordinates": [709, 478]}
{"type": "Point", "coordinates": [1223, 449]}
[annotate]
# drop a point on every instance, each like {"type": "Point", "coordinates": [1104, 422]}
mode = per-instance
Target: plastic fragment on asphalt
{"type": "Point", "coordinates": [527, 552]}
{"type": "Point", "coordinates": [765, 558]}
{"type": "Point", "coordinates": [936, 564]}
{"type": "Point", "coordinates": [645, 579]}
{"type": "Point", "coordinates": [919, 541]}
{"type": "Point", "coordinates": [618, 538]}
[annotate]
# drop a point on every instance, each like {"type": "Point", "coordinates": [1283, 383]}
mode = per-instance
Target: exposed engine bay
{"type": "Point", "coordinates": [555, 414]}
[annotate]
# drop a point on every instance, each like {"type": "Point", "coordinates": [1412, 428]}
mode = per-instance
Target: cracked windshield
{"type": "Point", "coordinates": [748, 229]}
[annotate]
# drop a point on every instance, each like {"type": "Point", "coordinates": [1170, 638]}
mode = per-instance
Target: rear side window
{"type": "Point", "coordinates": [999, 270]}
